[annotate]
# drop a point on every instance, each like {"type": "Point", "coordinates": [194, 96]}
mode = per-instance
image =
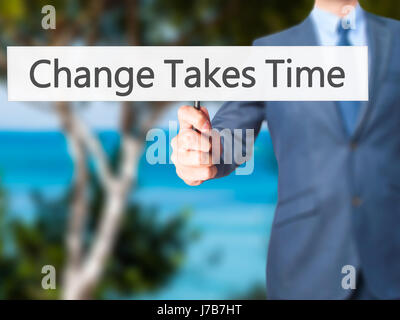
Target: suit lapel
{"type": "Point", "coordinates": [326, 111]}
{"type": "Point", "coordinates": [379, 43]}
{"type": "Point", "coordinates": [379, 40]}
{"type": "Point", "coordinates": [307, 35]}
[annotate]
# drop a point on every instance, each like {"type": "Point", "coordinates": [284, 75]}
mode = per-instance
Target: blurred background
{"type": "Point", "coordinates": [77, 193]}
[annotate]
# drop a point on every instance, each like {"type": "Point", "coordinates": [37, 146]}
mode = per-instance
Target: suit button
{"type": "Point", "coordinates": [356, 201]}
{"type": "Point", "coordinates": [353, 145]}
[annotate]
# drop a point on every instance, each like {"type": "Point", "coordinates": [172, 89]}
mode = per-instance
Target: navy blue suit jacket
{"type": "Point", "coordinates": [338, 196]}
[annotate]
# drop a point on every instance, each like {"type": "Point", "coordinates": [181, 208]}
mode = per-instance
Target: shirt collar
{"type": "Point", "coordinates": [328, 22]}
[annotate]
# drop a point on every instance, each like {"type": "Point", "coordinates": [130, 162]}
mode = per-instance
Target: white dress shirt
{"type": "Point", "coordinates": [326, 25]}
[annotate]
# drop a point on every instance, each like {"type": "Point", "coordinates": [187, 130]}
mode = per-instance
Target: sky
{"type": "Point", "coordinates": [38, 116]}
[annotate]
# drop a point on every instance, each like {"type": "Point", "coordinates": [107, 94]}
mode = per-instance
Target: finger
{"type": "Point", "coordinates": [196, 174]}
{"type": "Point", "coordinates": [190, 117]}
{"type": "Point", "coordinates": [215, 140]}
{"type": "Point", "coordinates": [189, 139]}
{"type": "Point", "coordinates": [193, 183]}
{"type": "Point", "coordinates": [191, 158]}
{"type": "Point", "coordinates": [194, 158]}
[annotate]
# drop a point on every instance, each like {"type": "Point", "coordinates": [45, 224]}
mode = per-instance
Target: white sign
{"type": "Point", "coordinates": [187, 73]}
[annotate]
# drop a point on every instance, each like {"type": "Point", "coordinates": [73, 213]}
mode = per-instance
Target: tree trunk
{"type": "Point", "coordinates": [82, 273]}
{"type": "Point", "coordinates": [84, 281]}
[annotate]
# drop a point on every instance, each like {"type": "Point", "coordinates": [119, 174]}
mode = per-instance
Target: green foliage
{"type": "Point", "coordinates": [147, 251]}
{"type": "Point", "coordinates": [146, 254]}
{"type": "Point", "coordinates": [203, 22]}
{"type": "Point", "coordinates": [234, 22]}
{"type": "Point", "coordinates": [388, 8]}
{"type": "Point", "coordinates": [21, 268]}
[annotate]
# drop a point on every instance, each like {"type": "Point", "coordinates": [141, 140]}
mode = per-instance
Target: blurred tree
{"type": "Point", "coordinates": [133, 22]}
{"type": "Point", "coordinates": [147, 253]}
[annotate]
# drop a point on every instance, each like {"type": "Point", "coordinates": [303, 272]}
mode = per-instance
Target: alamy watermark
{"type": "Point", "coordinates": [349, 280]}
{"type": "Point", "coordinates": [227, 146]}
{"type": "Point", "coordinates": [349, 20]}
{"type": "Point", "coordinates": [49, 20]}
{"type": "Point", "coordinates": [49, 278]}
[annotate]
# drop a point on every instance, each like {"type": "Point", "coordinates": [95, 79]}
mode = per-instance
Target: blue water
{"type": "Point", "coordinates": [233, 214]}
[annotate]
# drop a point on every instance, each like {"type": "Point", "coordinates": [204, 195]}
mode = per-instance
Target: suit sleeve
{"type": "Point", "coordinates": [236, 117]}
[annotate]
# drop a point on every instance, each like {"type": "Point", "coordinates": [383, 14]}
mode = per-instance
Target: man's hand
{"type": "Point", "coordinates": [192, 149]}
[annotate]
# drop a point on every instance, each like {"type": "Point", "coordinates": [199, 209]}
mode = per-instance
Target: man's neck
{"type": "Point", "coordinates": [337, 7]}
